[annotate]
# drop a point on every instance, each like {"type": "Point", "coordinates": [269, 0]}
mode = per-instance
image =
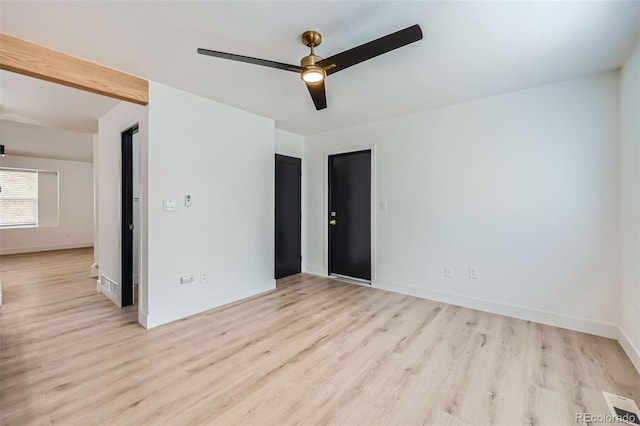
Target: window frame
{"type": "Point", "coordinates": [25, 225]}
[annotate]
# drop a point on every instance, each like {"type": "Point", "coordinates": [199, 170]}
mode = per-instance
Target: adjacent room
{"type": "Point", "coordinates": [341, 213]}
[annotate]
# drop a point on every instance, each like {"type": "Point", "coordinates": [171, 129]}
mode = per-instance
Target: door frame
{"type": "Point", "coordinates": [374, 203]}
{"type": "Point", "coordinates": [126, 216]}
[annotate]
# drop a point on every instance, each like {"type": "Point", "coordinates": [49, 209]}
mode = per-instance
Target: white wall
{"type": "Point", "coordinates": [289, 144]}
{"type": "Point", "coordinates": [48, 198]}
{"type": "Point", "coordinates": [110, 128]}
{"type": "Point", "coordinates": [523, 185]}
{"type": "Point", "coordinates": [292, 145]}
{"type": "Point", "coordinates": [29, 140]}
{"type": "Point", "coordinates": [74, 225]}
{"type": "Point", "coordinates": [223, 157]}
{"type": "Point", "coordinates": [630, 205]}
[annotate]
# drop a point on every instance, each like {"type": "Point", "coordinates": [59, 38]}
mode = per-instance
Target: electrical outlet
{"type": "Point", "coordinates": [473, 272]}
{"type": "Point", "coordinates": [203, 277]}
{"type": "Point", "coordinates": [448, 271]}
{"type": "Point", "coordinates": [186, 279]}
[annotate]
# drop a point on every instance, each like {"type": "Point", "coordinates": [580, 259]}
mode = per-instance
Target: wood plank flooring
{"type": "Point", "coordinates": [313, 351]}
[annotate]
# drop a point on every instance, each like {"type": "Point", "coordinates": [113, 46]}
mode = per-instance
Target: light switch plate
{"type": "Point", "coordinates": [448, 271]}
{"type": "Point", "coordinates": [384, 205]}
{"type": "Point", "coordinates": [169, 205]}
{"type": "Point", "coordinates": [186, 279]}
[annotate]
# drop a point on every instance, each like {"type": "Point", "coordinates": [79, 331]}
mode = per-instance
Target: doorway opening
{"type": "Point", "coordinates": [349, 216]}
{"type": "Point", "coordinates": [130, 214]}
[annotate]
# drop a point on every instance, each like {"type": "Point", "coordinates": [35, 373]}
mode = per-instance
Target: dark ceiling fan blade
{"type": "Point", "coordinates": [316, 90]}
{"type": "Point", "coordinates": [250, 60]}
{"type": "Point", "coordinates": [372, 49]}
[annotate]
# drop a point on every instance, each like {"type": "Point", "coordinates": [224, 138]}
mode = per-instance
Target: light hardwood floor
{"type": "Point", "coordinates": [314, 351]}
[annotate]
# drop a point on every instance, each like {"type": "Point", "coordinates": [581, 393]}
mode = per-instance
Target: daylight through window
{"type": "Point", "coordinates": [18, 198]}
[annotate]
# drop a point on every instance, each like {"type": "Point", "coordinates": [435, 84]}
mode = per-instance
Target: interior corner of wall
{"type": "Point", "coordinates": [314, 270]}
{"type": "Point", "coordinates": [632, 351]}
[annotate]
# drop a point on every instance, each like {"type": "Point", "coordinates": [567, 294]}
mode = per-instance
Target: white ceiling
{"type": "Point", "coordinates": [470, 49]}
{"type": "Point", "coordinates": [29, 100]}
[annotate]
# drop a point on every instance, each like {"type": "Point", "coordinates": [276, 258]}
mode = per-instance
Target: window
{"type": "Point", "coordinates": [18, 198]}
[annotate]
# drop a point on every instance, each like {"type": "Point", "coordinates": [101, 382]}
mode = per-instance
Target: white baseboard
{"type": "Point", "coordinates": [515, 311]}
{"type": "Point", "coordinates": [143, 319]}
{"type": "Point", "coordinates": [631, 350]}
{"type": "Point", "coordinates": [314, 270]}
{"type": "Point", "coordinates": [179, 312]}
{"type": "Point", "coordinates": [34, 249]}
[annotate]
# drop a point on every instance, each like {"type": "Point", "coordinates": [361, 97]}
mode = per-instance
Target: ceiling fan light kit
{"type": "Point", "coordinates": [313, 69]}
{"type": "Point", "coordinates": [313, 74]}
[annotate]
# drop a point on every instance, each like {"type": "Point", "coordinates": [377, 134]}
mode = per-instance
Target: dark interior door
{"type": "Point", "coordinates": [127, 217]}
{"type": "Point", "coordinates": [288, 211]}
{"type": "Point", "coordinates": [350, 214]}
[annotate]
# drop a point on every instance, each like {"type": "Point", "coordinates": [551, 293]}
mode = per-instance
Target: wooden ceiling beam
{"type": "Point", "coordinates": [23, 57]}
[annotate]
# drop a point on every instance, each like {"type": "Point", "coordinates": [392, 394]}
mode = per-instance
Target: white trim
{"type": "Point", "coordinates": [350, 280]}
{"type": "Point", "coordinates": [374, 203]}
{"type": "Point", "coordinates": [94, 271]}
{"type": "Point", "coordinates": [36, 170]}
{"type": "Point", "coordinates": [143, 319]}
{"type": "Point", "coordinates": [506, 309]}
{"type": "Point", "coordinates": [163, 317]}
{"type": "Point", "coordinates": [631, 350]}
{"type": "Point", "coordinates": [34, 249]}
{"type": "Point", "coordinates": [21, 226]}
{"type": "Point", "coordinates": [515, 311]}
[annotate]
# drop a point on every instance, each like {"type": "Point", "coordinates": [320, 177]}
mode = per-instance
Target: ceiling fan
{"type": "Point", "coordinates": [313, 69]}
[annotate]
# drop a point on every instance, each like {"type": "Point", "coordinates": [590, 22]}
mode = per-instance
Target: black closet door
{"type": "Point", "coordinates": [350, 214]}
{"type": "Point", "coordinates": [288, 210]}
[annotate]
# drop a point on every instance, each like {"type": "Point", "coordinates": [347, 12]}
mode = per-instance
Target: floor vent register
{"type": "Point", "coordinates": [623, 409]}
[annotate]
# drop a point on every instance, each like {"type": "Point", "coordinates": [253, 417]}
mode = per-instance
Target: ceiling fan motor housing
{"type": "Point", "coordinates": [309, 60]}
{"type": "Point", "coordinates": [312, 73]}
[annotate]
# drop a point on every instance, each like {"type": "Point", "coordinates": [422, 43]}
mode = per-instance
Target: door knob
{"type": "Point", "coordinates": [332, 222]}
{"type": "Point", "coordinates": [131, 227]}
